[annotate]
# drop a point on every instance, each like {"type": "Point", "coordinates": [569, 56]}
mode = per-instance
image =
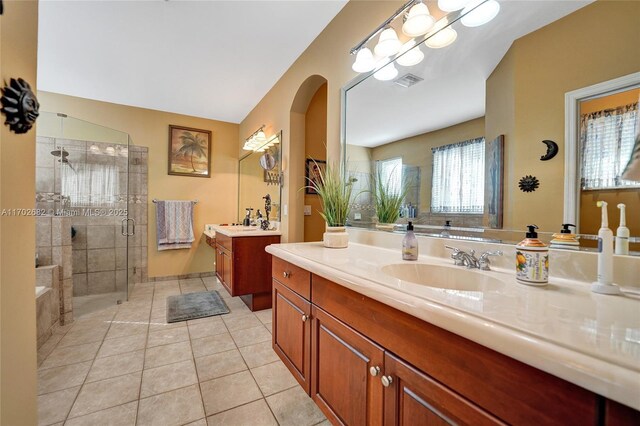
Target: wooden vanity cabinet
{"type": "Point", "coordinates": [244, 268]}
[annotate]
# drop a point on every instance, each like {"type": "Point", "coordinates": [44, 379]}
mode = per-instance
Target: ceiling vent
{"type": "Point", "coordinates": [408, 80]}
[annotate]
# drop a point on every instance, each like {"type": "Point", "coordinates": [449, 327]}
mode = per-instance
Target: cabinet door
{"type": "Point", "coordinates": [411, 398]}
{"type": "Point", "coordinates": [219, 263]}
{"type": "Point", "coordinates": [227, 271]}
{"type": "Point", "coordinates": [346, 369]}
{"type": "Point", "coordinates": [291, 332]}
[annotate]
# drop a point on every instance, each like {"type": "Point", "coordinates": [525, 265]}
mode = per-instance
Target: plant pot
{"type": "Point", "coordinates": [385, 226]}
{"type": "Point", "coordinates": [335, 237]}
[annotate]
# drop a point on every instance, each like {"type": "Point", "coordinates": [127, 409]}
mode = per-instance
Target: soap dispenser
{"type": "Point", "coordinates": [604, 283]}
{"type": "Point", "coordinates": [622, 233]}
{"type": "Point", "coordinates": [532, 259]}
{"type": "Point", "coordinates": [410, 244]}
{"type": "Point", "coordinates": [446, 230]}
{"type": "Point", "coordinates": [565, 239]}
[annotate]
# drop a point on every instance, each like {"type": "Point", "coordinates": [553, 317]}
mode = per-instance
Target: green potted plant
{"type": "Point", "coordinates": [388, 200]}
{"type": "Point", "coordinates": [335, 192]}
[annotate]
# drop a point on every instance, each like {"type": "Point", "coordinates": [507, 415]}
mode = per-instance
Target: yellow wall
{"type": "Point", "coordinates": [416, 151]}
{"type": "Point", "coordinates": [539, 69]}
{"type": "Point", "coordinates": [315, 135]}
{"type": "Point", "coordinates": [327, 56]}
{"type": "Point", "coordinates": [218, 195]}
{"type": "Point", "coordinates": [18, 53]}
{"type": "Point", "coordinates": [611, 101]}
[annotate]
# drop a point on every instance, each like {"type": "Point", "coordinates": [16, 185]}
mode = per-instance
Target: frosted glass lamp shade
{"type": "Point", "coordinates": [412, 54]}
{"type": "Point", "coordinates": [388, 43]}
{"type": "Point", "coordinates": [441, 39]}
{"type": "Point", "coordinates": [451, 5]}
{"type": "Point", "coordinates": [261, 137]}
{"type": "Point", "coordinates": [481, 14]}
{"type": "Point", "coordinates": [388, 72]}
{"type": "Point", "coordinates": [364, 61]}
{"type": "Point", "coordinates": [419, 21]}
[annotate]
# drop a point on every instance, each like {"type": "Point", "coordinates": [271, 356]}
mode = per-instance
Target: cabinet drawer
{"type": "Point", "coordinates": [224, 241]}
{"type": "Point", "coordinates": [293, 277]}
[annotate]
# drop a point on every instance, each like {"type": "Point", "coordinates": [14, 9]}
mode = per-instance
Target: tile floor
{"type": "Point", "coordinates": [124, 365]}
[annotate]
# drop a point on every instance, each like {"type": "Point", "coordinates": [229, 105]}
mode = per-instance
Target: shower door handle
{"type": "Point", "coordinates": [122, 227]}
{"type": "Point", "coordinates": [133, 227]}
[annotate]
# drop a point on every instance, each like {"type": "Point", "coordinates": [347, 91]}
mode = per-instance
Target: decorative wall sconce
{"type": "Point", "coordinates": [19, 105]}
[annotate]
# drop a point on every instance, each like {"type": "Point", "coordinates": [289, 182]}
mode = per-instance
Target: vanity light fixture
{"type": "Point", "coordinates": [364, 61]}
{"type": "Point", "coordinates": [411, 54]}
{"type": "Point", "coordinates": [418, 21]}
{"type": "Point", "coordinates": [256, 140]}
{"type": "Point", "coordinates": [476, 14]}
{"type": "Point", "coordinates": [388, 43]}
{"type": "Point", "coordinates": [442, 38]}
{"type": "Point", "coordinates": [451, 5]}
{"type": "Point", "coordinates": [387, 72]}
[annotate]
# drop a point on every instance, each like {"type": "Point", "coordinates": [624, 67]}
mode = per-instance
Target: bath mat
{"type": "Point", "coordinates": [195, 305]}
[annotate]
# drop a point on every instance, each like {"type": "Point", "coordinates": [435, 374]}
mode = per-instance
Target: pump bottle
{"type": "Point", "coordinates": [604, 283]}
{"type": "Point", "coordinates": [410, 244]}
{"type": "Point", "coordinates": [622, 233]}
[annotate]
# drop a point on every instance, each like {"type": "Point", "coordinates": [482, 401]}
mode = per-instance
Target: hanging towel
{"type": "Point", "coordinates": [174, 224]}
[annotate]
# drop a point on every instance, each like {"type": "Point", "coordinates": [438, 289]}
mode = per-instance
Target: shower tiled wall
{"type": "Point", "coordinates": [99, 250]}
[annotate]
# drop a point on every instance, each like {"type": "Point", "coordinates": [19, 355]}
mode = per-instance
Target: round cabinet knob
{"type": "Point", "coordinates": [386, 381]}
{"type": "Point", "coordinates": [286, 274]}
{"type": "Point", "coordinates": [305, 318]}
{"type": "Point", "coordinates": [375, 370]}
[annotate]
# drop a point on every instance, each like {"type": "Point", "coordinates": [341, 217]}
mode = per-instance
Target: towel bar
{"type": "Point", "coordinates": [155, 200]}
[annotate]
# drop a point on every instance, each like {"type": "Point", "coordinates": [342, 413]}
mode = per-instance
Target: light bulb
{"type": "Point", "coordinates": [412, 55]}
{"type": "Point", "coordinates": [442, 38]}
{"type": "Point", "coordinates": [386, 73]}
{"type": "Point", "coordinates": [481, 14]}
{"type": "Point", "coordinates": [451, 5]}
{"type": "Point", "coordinates": [364, 61]}
{"type": "Point", "coordinates": [419, 21]}
{"type": "Point", "coordinates": [388, 43]}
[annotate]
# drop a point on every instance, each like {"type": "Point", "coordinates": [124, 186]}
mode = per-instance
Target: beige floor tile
{"type": "Point", "coordinates": [208, 328]}
{"type": "Point", "coordinates": [107, 393]}
{"type": "Point", "coordinates": [220, 364]}
{"type": "Point", "coordinates": [251, 336]}
{"type": "Point", "coordinates": [256, 413]}
{"type": "Point", "coordinates": [117, 365]}
{"type": "Point", "coordinates": [168, 377]}
{"type": "Point", "coordinates": [200, 422]}
{"type": "Point", "coordinates": [212, 345]}
{"type": "Point", "coordinates": [260, 354]}
{"type": "Point", "coordinates": [126, 328]}
{"type": "Point", "coordinates": [294, 407]}
{"type": "Point", "coordinates": [133, 316]}
{"type": "Point", "coordinates": [172, 408]}
{"type": "Point", "coordinates": [324, 423]}
{"type": "Point", "coordinates": [229, 392]}
{"type": "Point", "coordinates": [273, 378]}
{"type": "Point", "coordinates": [265, 316]}
{"type": "Point", "coordinates": [162, 324]}
{"type": "Point", "coordinates": [167, 336]}
{"type": "Point", "coordinates": [269, 327]}
{"type": "Point", "coordinates": [57, 378]}
{"type": "Point", "coordinates": [214, 318]}
{"type": "Point", "coordinates": [122, 415]}
{"type": "Point", "coordinates": [167, 354]}
{"type": "Point", "coordinates": [122, 345]}
{"type": "Point", "coordinates": [241, 322]}
{"type": "Point", "coordinates": [54, 407]}
{"type": "Point", "coordinates": [71, 355]}
{"type": "Point", "coordinates": [79, 337]}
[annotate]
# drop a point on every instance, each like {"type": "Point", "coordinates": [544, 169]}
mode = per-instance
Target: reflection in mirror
{"type": "Point", "coordinates": [509, 78]}
{"type": "Point", "coordinates": [260, 173]}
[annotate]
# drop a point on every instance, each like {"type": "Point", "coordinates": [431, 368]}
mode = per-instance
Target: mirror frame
{"type": "Point", "coordinates": [572, 129]}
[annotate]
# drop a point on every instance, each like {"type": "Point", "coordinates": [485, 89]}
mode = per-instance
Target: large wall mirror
{"type": "Point", "coordinates": [437, 126]}
{"type": "Point", "coordinates": [259, 174]}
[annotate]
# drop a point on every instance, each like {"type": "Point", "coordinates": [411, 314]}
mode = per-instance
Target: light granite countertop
{"type": "Point", "coordinates": [238, 231]}
{"type": "Point", "coordinates": [564, 329]}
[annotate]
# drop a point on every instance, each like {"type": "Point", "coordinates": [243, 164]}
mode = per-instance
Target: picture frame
{"type": "Point", "coordinates": [312, 173]}
{"type": "Point", "coordinates": [189, 152]}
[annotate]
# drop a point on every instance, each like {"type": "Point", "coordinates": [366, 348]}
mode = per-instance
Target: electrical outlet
{"type": "Point", "coordinates": [307, 210]}
{"type": "Point", "coordinates": [357, 216]}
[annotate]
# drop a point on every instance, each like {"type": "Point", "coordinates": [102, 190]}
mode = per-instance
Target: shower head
{"type": "Point", "coordinates": [60, 152]}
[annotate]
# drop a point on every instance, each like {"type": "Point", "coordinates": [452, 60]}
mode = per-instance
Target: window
{"type": "Point", "coordinates": [458, 178]}
{"type": "Point", "coordinates": [606, 142]}
{"type": "Point", "coordinates": [91, 185]}
{"type": "Point", "coordinates": [391, 171]}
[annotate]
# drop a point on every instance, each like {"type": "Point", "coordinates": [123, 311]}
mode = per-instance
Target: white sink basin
{"type": "Point", "coordinates": [445, 277]}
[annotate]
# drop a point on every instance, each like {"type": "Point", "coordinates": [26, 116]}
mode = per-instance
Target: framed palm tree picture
{"type": "Point", "coordinates": [189, 152]}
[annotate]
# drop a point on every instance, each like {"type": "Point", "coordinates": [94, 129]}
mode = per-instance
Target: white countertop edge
{"type": "Point", "coordinates": [240, 232]}
{"type": "Point", "coordinates": [604, 378]}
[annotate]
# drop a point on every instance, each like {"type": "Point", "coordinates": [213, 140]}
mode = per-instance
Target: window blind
{"type": "Point", "coordinates": [606, 143]}
{"type": "Point", "coordinates": [458, 178]}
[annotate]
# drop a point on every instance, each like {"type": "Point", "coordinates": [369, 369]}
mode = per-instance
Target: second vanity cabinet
{"type": "Point", "coordinates": [365, 363]}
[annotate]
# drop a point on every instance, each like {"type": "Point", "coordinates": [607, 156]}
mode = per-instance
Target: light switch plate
{"type": "Point", "coordinates": [307, 210]}
{"type": "Point", "coordinates": [285, 210]}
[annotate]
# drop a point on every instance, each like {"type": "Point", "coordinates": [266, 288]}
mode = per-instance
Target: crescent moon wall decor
{"type": "Point", "coordinates": [552, 150]}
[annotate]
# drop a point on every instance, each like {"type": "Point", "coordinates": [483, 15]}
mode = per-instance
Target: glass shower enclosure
{"type": "Point", "coordinates": [93, 178]}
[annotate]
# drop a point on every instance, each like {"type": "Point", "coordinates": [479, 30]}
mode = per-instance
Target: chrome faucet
{"type": "Point", "coordinates": [470, 261]}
